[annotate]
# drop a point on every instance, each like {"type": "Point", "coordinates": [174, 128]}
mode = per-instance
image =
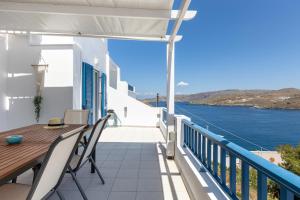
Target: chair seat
{"type": "Point", "coordinates": [14, 191]}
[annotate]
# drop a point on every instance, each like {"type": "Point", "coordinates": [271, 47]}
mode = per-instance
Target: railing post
{"type": "Point", "coordinates": [285, 194]}
{"type": "Point", "coordinates": [233, 174]}
{"type": "Point", "coordinates": [215, 160]}
{"type": "Point", "coordinates": [262, 191]}
{"type": "Point", "coordinates": [245, 181]}
{"type": "Point", "coordinates": [223, 166]}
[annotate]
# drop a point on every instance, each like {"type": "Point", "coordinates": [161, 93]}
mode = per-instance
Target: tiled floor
{"type": "Point", "coordinates": [134, 167]}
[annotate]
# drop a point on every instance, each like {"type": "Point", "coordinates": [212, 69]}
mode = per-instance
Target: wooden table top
{"type": "Point", "coordinates": [15, 159]}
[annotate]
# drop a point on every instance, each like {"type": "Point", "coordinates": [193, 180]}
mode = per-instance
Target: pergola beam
{"type": "Point", "coordinates": [95, 11]}
{"type": "Point", "coordinates": [184, 7]}
{"type": "Point", "coordinates": [166, 38]}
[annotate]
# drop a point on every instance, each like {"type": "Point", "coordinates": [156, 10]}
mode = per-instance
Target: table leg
{"type": "Point", "coordinates": [94, 158]}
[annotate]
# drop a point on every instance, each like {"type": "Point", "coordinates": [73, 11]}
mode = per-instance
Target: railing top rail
{"type": "Point", "coordinates": [276, 173]}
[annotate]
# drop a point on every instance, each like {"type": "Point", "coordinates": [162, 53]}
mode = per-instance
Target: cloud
{"type": "Point", "coordinates": [182, 84]}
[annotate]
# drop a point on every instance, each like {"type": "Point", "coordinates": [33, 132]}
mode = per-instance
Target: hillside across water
{"type": "Point", "coordinates": [288, 98]}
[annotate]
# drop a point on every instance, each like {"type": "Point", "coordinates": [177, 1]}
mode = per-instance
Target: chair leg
{"type": "Point", "coordinates": [60, 196]}
{"type": "Point", "coordinates": [78, 184]}
{"type": "Point", "coordinates": [97, 170]}
{"type": "Point", "coordinates": [36, 171]}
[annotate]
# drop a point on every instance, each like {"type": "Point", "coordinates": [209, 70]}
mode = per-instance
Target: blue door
{"type": "Point", "coordinates": [103, 95]}
{"type": "Point", "coordinates": [88, 89]}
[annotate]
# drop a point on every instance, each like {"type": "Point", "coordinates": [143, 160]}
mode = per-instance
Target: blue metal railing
{"type": "Point", "coordinates": [207, 146]}
{"type": "Point", "coordinates": [164, 116]}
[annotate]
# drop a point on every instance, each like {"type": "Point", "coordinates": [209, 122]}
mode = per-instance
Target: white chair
{"type": "Point", "coordinates": [79, 160]}
{"type": "Point", "coordinates": [51, 172]}
{"type": "Point", "coordinates": [76, 116]}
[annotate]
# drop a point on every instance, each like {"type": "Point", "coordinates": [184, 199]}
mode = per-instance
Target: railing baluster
{"type": "Point", "coordinates": [261, 186]}
{"type": "Point", "coordinates": [285, 194]}
{"type": "Point", "coordinates": [191, 138]}
{"type": "Point", "coordinates": [215, 160]}
{"type": "Point", "coordinates": [223, 166]}
{"type": "Point", "coordinates": [245, 181]}
{"type": "Point", "coordinates": [203, 150]}
{"type": "Point", "coordinates": [192, 142]}
{"type": "Point", "coordinates": [233, 174]}
{"type": "Point", "coordinates": [199, 146]}
{"type": "Point", "coordinates": [208, 154]}
{"type": "Point", "coordinates": [195, 143]}
{"type": "Point", "coordinates": [187, 136]}
{"type": "Point", "coordinates": [184, 134]}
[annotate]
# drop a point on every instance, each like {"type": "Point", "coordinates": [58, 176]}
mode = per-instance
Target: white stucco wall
{"type": "Point", "coordinates": [114, 74]}
{"type": "Point", "coordinates": [3, 78]}
{"type": "Point", "coordinates": [93, 51]}
{"type": "Point", "coordinates": [21, 80]}
{"type": "Point", "coordinates": [123, 87]}
{"type": "Point", "coordinates": [138, 113]}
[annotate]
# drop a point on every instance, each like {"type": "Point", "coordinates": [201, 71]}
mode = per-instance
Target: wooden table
{"type": "Point", "coordinates": [16, 159]}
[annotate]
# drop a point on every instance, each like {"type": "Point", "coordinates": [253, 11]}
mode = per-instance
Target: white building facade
{"type": "Point", "coordinates": [63, 84]}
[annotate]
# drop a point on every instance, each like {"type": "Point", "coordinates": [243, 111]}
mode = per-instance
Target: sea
{"type": "Point", "coordinates": [249, 127]}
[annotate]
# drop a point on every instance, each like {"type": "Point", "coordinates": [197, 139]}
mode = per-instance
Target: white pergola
{"type": "Point", "coordinates": [145, 20]}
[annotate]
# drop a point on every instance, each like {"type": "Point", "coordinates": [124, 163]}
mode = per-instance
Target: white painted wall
{"type": "Point", "coordinates": [162, 125]}
{"type": "Point", "coordinates": [138, 113]}
{"type": "Point", "coordinates": [114, 74]}
{"type": "Point", "coordinates": [116, 80]}
{"type": "Point", "coordinates": [3, 79]}
{"type": "Point", "coordinates": [58, 91]}
{"type": "Point", "coordinates": [123, 87]}
{"type": "Point", "coordinates": [93, 51]}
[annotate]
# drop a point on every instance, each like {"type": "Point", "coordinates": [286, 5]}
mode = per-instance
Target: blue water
{"type": "Point", "coordinates": [262, 128]}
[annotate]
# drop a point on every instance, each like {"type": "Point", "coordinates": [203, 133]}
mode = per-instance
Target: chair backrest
{"type": "Point", "coordinates": [55, 164]}
{"type": "Point", "coordinates": [93, 139]}
{"type": "Point", "coordinates": [76, 116]}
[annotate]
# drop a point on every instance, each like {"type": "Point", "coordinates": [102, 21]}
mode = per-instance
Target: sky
{"type": "Point", "coordinates": [232, 44]}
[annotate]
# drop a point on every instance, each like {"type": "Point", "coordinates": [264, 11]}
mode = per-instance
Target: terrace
{"type": "Point", "coordinates": [133, 155]}
{"type": "Point", "coordinates": [134, 166]}
{"type": "Point", "coordinates": [133, 163]}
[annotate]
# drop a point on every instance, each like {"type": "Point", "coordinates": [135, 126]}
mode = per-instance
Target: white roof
{"type": "Point", "coordinates": [144, 19]}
